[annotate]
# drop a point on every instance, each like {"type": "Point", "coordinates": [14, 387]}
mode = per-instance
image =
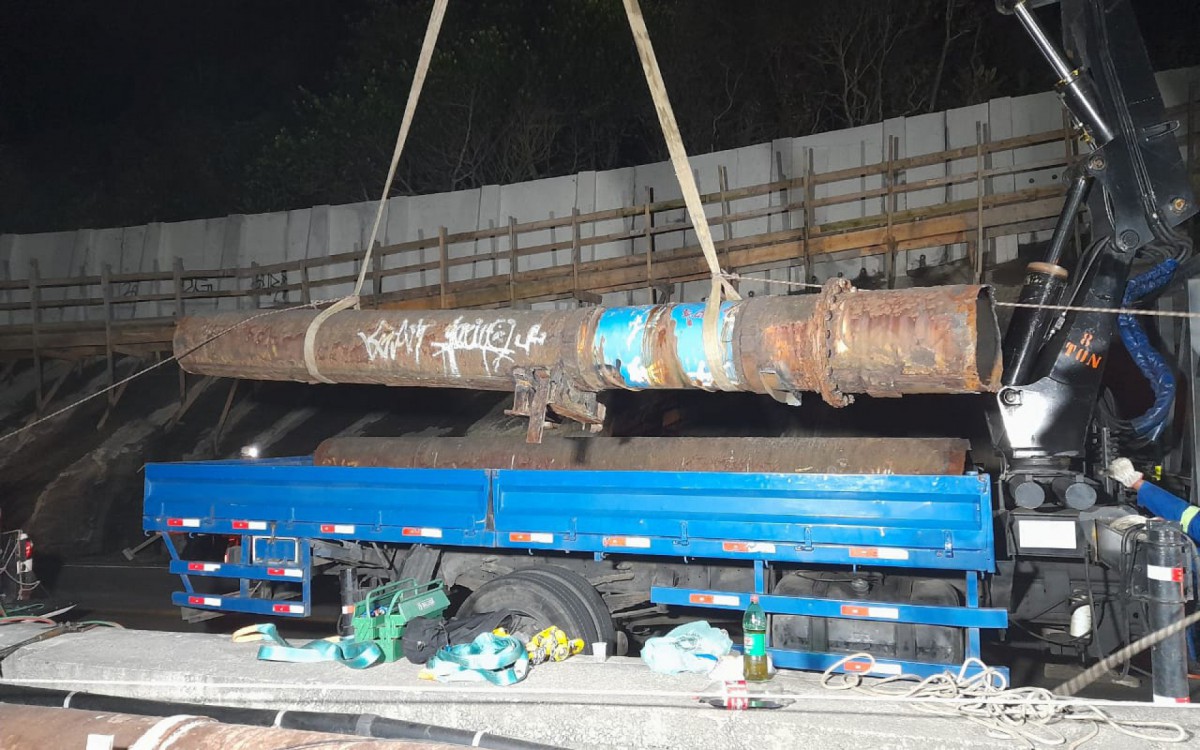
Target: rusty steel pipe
{"type": "Point", "coordinates": [41, 727]}
{"type": "Point", "coordinates": [741, 455]}
{"type": "Point", "coordinates": [839, 342]}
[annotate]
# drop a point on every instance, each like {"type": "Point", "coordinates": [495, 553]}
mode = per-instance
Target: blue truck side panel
{"type": "Point", "coordinates": [936, 523]}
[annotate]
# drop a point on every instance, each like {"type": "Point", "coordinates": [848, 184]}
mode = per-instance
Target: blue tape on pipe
{"type": "Point", "coordinates": [621, 343]}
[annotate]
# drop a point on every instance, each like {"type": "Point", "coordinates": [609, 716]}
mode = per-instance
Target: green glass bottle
{"type": "Point", "coordinates": [754, 654]}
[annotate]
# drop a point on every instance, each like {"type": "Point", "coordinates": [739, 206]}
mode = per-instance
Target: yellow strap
{"type": "Point", "coordinates": [1185, 518]}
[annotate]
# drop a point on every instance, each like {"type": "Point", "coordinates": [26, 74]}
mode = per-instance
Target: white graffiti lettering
{"type": "Point", "coordinates": [495, 340]}
{"type": "Point", "coordinates": [386, 341]}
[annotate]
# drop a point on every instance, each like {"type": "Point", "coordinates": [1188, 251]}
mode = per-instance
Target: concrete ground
{"type": "Point", "coordinates": [575, 704]}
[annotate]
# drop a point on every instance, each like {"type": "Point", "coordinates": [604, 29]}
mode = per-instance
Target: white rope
{"type": "Point", "coordinates": [691, 196]}
{"type": "Point", "coordinates": [1025, 715]}
{"type": "Point", "coordinates": [410, 107]}
{"type": "Point", "coordinates": [156, 365]}
{"type": "Point", "coordinates": [523, 692]}
{"type": "Point", "coordinates": [1031, 305]}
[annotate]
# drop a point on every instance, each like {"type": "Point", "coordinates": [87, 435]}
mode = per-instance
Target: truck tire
{"type": "Point", "coordinates": [542, 599]}
{"type": "Point", "coordinates": [591, 598]}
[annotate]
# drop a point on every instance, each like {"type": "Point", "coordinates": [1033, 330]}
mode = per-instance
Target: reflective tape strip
{"type": "Point", "coordinates": [201, 567]}
{"type": "Point", "coordinates": [765, 548]}
{"type": "Point", "coordinates": [422, 531]}
{"type": "Point", "coordinates": [1185, 518]}
{"type": "Point", "coordinates": [883, 613]}
{"type": "Point", "coordinates": [1163, 573]}
{"type": "Point", "coordinates": [1164, 700]}
{"type": "Point", "coordinates": [185, 523]}
{"type": "Point", "coordinates": [288, 609]}
{"type": "Point", "coordinates": [205, 601]}
{"type": "Point", "coordinates": [638, 542]}
{"type": "Point", "coordinates": [337, 528]}
{"type": "Point", "coordinates": [250, 525]}
{"type": "Point", "coordinates": [879, 553]}
{"type": "Point", "coordinates": [725, 600]}
{"type": "Point", "coordinates": [286, 572]}
{"type": "Point", "coordinates": [24, 566]}
{"type": "Point", "coordinates": [531, 536]}
{"type": "Point", "coordinates": [865, 667]}
{"type": "Point", "coordinates": [347, 609]}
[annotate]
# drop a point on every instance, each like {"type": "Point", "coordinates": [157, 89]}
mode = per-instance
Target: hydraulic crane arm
{"type": "Point", "coordinates": [1136, 187]}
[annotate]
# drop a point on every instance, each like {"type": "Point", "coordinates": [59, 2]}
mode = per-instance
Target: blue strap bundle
{"type": "Point", "coordinates": [353, 654]}
{"type": "Point", "coordinates": [498, 659]}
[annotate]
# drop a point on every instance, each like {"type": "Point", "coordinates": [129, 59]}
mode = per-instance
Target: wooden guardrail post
{"type": "Point", "coordinates": [177, 273]}
{"type": "Point", "coordinates": [106, 295]}
{"type": "Point", "coordinates": [377, 271]}
{"type": "Point", "coordinates": [726, 231]}
{"type": "Point", "coordinates": [648, 231]}
{"type": "Point", "coordinates": [576, 258]}
{"type": "Point", "coordinates": [257, 281]}
{"type": "Point", "coordinates": [35, 319]}
{"type": "Point", "coordinates": [980, 248]}
{"type": "Point", "coordinates": [512, 262]}
{"type": "Point", "coordinates": [810, 195]}
{"type": "Point", "coordinates": [305, 288]}
{"type": "Point", "coordinates": [443, 267]}
{"type": "Point", "coordinates": [889, 184]}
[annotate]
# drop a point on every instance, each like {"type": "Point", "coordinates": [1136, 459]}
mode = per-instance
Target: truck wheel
{"type": "Point", "coordinates": [539, 601]}
{"type": "Point", "coordinates": [591, 598]}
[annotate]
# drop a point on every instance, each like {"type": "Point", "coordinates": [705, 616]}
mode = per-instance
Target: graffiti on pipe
{"type": "Point", "coordinates": [388, 341]}
{"type": "Point", "coordinates": [495, 340]}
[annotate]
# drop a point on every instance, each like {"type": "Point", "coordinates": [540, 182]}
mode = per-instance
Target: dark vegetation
{"type": "Point", "coordinates": [133, 111]}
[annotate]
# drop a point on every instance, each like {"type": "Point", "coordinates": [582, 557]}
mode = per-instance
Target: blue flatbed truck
{"type": "Point", "coordinates": [606, 553]}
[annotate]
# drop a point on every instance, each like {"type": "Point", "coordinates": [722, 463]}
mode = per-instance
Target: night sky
{"type": "Point", "coordinates": [127, 111]}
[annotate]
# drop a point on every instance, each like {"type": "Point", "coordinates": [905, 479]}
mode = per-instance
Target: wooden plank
{"type": "Point", "coordinates": [616, 274]}
{"type": "Point", "coordinates": [443, 267]}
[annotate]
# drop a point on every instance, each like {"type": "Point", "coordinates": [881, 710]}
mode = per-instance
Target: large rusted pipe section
{"type": "Point", "coordinates": [738, 455]}
{"type": "Point", "coordinates": [40, 727]}
{"type": "Point", "coordinates": [838, 342]}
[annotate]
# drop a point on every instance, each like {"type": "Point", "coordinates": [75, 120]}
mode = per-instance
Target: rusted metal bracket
{"type": "Point", "coordinates": [826, 311]}
{"type": "Point", "coordinates": [539, 390]}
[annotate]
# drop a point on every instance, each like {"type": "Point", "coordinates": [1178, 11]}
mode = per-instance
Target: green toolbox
{"type": "Point", "coordinates": [382, 616]}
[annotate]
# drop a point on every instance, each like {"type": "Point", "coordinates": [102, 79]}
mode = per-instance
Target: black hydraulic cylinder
{"type": "Point", "coordinates": [1165, 582]}
{"type": "Point", "coordinates": [1044, 284]}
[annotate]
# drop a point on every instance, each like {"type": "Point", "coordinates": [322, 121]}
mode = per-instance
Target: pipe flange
{"type": "Point", "coordinates": [826, 312]}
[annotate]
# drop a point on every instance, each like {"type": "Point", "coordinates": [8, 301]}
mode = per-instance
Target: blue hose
{"type": "Point", "coordinates": [1156, 369]}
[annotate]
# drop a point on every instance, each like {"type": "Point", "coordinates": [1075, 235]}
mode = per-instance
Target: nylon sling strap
{"type": "Point", "coordinates": [353, 654]}
{"type": "Point", "coordinates": [410, 108]}
{"type": "Point", "coordinates": [721, 286]}
{"type": "Point", "coordinates": [498, 659]}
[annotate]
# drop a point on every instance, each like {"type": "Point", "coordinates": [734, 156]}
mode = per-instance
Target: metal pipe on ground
{"type": "Point", "coordinates": [36, 726]}
{"type": "Point", "coordinates": [837, 343]}
{"type": "Point", "coordinates": [359, 725]}
{"type": "Point", "coordinates": [743, 454]}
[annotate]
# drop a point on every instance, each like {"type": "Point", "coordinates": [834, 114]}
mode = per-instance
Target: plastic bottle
{"type": "Point", "coordinates": [754, 655]}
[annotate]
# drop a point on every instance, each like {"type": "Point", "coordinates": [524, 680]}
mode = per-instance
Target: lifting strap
{"type": "Point", "coordinates": [691, 197]}
{"type": "Point", "coordinates": [498, 659]}
{"type": "Point", "coordinates": [353, 654]}
{"type": "Point", "coordinates": [410, 108]}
